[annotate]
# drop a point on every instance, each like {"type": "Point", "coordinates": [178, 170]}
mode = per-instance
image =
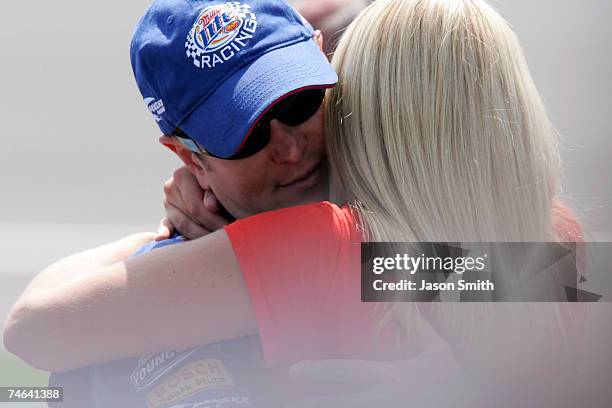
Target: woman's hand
{"type": "Point", "coordinates": [412, 382]}
{"type": "Point", "coordinates": [190, 209]}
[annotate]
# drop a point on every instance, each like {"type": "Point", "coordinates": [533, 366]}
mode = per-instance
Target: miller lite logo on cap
{"type": "Point", "coordinates": [219, 33]}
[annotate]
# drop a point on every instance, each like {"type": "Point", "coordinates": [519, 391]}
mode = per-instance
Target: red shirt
{"type": "Point", "coordinates": [302, 268]}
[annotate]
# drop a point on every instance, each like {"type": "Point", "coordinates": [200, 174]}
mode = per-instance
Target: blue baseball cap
{"type": "Point", "coordinates": [213, 68]}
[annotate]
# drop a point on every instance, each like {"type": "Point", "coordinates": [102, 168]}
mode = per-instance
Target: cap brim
{"type": "Point", "coordinates": [223, 120]}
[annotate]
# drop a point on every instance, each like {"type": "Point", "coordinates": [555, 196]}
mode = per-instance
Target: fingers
{"type": "Point", "coordinates": [184, 193]}
{"type": "Point", "coordinates": [212, 218]}
{"type": "Point", "coordinates": [189, 228]}
{"type": "Point", "coordinates": [211, 202]}
{"type": "Point", "coordinates": [202, 216]}
{"type": "Point", "coordinates": [165, 230]}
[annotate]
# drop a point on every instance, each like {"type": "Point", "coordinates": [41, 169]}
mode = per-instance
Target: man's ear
{"type": "Point", "coordinates": [187, 156]}
{"type": "Point", "coordinates": [318, 37]}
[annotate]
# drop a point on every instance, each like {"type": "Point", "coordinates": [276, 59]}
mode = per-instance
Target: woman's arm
{"type": "Point", "coordinates": [77, 265]}
{"type": "Point", "coordinates": [179, 296]}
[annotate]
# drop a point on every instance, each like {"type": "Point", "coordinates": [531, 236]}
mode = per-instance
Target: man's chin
{"type": "Point", "coordinates": [316, 194]}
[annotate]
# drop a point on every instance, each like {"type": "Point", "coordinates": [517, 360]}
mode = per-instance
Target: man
{"type": "Point", "coordinates": [218, 86]}
{"type": "Point", "coordinates": [237, 90]}
{"type": "Point", "coordinates": [206, 212]}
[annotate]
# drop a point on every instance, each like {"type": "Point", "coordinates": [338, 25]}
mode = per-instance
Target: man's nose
{"type": "Point", "coordinates": [286, 143]}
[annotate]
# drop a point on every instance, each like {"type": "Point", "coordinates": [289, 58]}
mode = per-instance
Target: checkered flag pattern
{"type": "Point", "coordinates": [243, 10]}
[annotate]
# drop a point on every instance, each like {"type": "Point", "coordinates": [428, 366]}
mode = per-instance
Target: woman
{"type": "Point", "coordinates": [436, 133]}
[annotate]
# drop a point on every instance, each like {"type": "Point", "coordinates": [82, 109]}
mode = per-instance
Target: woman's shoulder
{"type": "Point", "coordinates": [320, 208]}
{"type": "Point", "coordinates": [319, 216]}
{"type": "Point", "coordinates": [313, 229]}
{"type": "Point", "coordinates": [566, 223]}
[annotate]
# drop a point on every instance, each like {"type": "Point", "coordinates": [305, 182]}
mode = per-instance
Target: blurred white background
{"type": "Point", "coordinates": [81, 165]}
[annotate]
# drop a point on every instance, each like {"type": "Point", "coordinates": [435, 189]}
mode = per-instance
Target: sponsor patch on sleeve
{"type": "Point", "coordinates": [188, 380]}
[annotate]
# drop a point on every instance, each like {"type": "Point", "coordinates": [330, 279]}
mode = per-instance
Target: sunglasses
{"type": "Point", "coordinates": [293, 110]}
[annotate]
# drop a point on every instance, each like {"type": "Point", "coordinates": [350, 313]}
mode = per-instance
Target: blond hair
{"type": "Point", "coordinates": [436, 131]}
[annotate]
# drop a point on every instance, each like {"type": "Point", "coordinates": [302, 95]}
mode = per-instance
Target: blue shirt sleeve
{"type": "Point", "coordinates": [151, 246]}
